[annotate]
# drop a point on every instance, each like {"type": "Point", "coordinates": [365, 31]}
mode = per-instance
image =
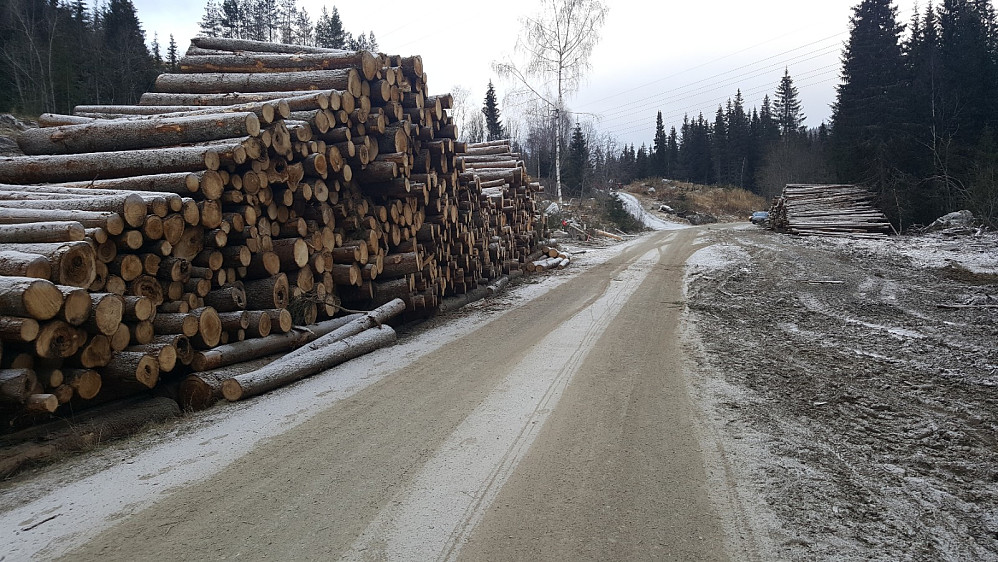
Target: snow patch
{"type": "Point", "coordinates": [634, 208]}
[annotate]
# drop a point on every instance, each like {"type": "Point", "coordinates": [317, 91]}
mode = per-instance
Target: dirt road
{"type": "Point", "coordinates": [558, 430]}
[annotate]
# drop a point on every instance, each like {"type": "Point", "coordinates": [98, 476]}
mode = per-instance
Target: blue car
{"type": "Point", "coordinates": [759, 217]}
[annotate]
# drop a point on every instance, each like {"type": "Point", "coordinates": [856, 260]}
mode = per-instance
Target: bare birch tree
{"type": "Point", "coordinates": [557, 43]}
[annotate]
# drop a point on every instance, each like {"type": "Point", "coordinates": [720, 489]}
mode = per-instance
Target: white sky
{"type": "Point", "coordinates": [674, 56]}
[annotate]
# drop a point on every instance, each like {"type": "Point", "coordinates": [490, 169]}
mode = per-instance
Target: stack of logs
{"type": "Point", "coordinates": [264, 186]}
{"type": "Point", "coordinates": [828, 210]}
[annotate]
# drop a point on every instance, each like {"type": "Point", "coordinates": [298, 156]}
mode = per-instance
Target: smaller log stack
{"type": "Point", "coordinates": [828, 210]}
{"type": "Point", "coordinates": [260, 187]}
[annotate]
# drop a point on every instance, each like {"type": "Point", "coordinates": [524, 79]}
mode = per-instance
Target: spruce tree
{"type": "Point", "coordinates": [672, 154]}
{"type": "Point", "coordinates": [787, 107]}
{"type": "Point", "coordinates": [659, 157]}
{"type": "Point", "coordinates": [578, 168]}
{"type": "Point", "coordinates": [171, 54]}
{"type": "Point", "coordinates": [329, 30]}
{"type": "Point", "coordinates": [867, 113]}
{"type": "Point", "coordinates": [124, 41]}
{"type": "Point", "coordinates": [493, 125]}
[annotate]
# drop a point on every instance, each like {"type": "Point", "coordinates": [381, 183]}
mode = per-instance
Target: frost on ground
{"type": "Point", "coordinates": [863, 413]}
{"type": "Point", "coordinates": [634, 208]}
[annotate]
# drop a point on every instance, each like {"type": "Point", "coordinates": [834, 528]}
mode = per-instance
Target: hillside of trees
{"type": "Point", "coordinates": [915, 120]}
{"type": "Point", "coordinates": [915, 116]}
{"type": "Point", "coordinates": [56, 55]}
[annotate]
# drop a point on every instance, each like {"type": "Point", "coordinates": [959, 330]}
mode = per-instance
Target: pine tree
{"type": "Point", "coordinates": [659, 157]}
{"type": "Point", "coordinates": [493, 125]}
{"type": "Point", "coordinates": [786, 105]}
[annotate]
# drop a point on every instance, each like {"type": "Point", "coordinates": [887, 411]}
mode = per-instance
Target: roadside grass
{"type": "Point", "coordinates": [724, 203]}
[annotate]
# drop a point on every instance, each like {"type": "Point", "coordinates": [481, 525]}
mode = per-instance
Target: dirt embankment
{"type": "Point", "coordinates": [856, 383]}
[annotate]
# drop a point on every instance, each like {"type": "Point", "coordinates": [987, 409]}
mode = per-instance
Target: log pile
{"type": "Point", "coordinates": [263, 186]}
{"type": "Point", "coordinates": [828, 210]}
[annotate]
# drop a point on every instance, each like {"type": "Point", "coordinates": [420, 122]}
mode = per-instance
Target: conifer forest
{"type": "Point", "coordinates": [914, 117]}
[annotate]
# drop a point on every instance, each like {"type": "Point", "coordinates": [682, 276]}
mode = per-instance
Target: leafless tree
{"type": "Point", "coordinates": [557, 44]}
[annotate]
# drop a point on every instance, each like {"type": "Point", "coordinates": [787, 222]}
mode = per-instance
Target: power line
{"type": "Point", "coordinates": [642, 86]}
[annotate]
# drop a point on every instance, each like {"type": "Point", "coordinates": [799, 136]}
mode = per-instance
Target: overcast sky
{"type": "Point", "coordinates": [674, 57]}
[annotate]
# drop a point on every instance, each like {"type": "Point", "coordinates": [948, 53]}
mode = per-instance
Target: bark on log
{"type": "Point", "coordinates": [238, 352]}
{"type": "Point", "coordinates": [104, 165]}
{"type": "Point", "coordinates": [20, 264]}
{"type": "Point", "coordinates": [133, 367]}
{"type": "Point", "coordinates": [112, 223]}
{"type": "Point", "coordinates": [271, 376]}
{"type": "Point", "coordinates": [363, 61]}
{"type": "Point", "coordinates": [56, 231]}
{"type": "Point", "coordinates": [220, 83]}
{"type": "Point", "coordinates": [132, 134]}
{"type": "Point", "coordinates": [17, 385]}
{"type": "Point", "coordinates": [15, 328]}
{"type": "Point", "coordinates": [31, 298]}
{"type": "Point", "coordinates": [72, 263]}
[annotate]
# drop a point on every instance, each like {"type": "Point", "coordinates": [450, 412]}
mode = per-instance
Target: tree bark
{"type": "Point", "coordinates": [273, 376]}
{"type": "Point", "coordinates": [105, 165]}
{"type": "Point", "coordinates": [363, 61]}
{"type": "Point", "coordinates": [56, 231]}
{"type": "Point", "coordinates": [220, 83]}
{"type": "Point", "coordinates": [133, 367]}
{"type": "Point", "coordinates": [238, 352]}
{"type": "Point", "coordinates": [132, 134]}
{"type": "Point", "coordinates": [20, 264]}
{"type": "Point", "coordinates": [30, 298]}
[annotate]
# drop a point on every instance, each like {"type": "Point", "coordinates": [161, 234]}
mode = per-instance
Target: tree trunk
{"type": "Point", "coordinates": [133, 367]}
{"type": "Point", "coordinates": [273, 376]}
{"type": "Point", "coordinates": [238, 352]}
{"type": "Point", "coordinates": [72, 263]}
{"type": "Point", "coordinates": [363, 61]}
{"type": "Point", "coordinates": [20, 264]}
{"type": "Point", "coordinates": [219, 83]}
{"type": "Point", "coordinates": [57, 340]}
{"type": "Point", "coordinates": [40, 232]}
{"type": "Point", "coordinates": [31, 298]}
{"type": "Point", "coordinates": [132, 134]}
{"type": "Point", "coordinates": [264, 294]}
{"type": "Point", "coordinates": [16, 385]}
{"type": "Point", "coordinates": [104, 165]}
{"type": "Point", "coordinates": [18, 329]}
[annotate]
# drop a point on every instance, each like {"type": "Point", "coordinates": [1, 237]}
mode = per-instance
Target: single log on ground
{"type": "Point", "coordinates": [200, 390]}
{"type": "Point", "coordinates": [365, 321]}
{"type": "Point", "coordinates": [238, 352]}
{"type": "Point", "coordinates": [84, 432]}
{"type": "Point", "coordinates": [56, 231]}
{"type": "Point", "coordinates": [131, 134]}
{"type": "Point", "coordinates": [41, 404]}
{"type": "Point", "coordinates": [275, 375]}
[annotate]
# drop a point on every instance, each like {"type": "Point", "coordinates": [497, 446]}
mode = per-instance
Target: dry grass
{"type": "Point", "coordinates": [724, 203]}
